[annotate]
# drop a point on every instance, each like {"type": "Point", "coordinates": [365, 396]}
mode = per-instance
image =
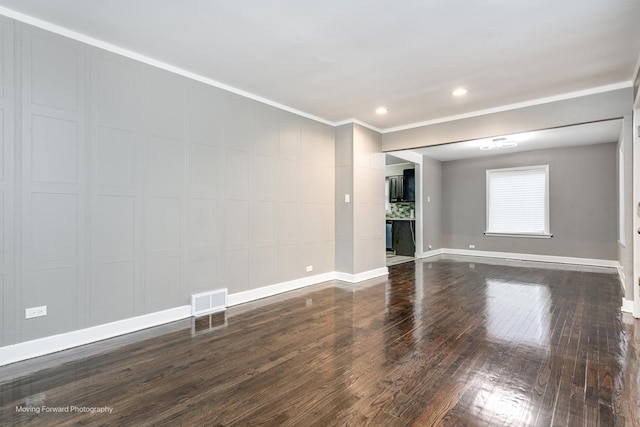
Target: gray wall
{"type": "Point", "coordinates": [360, 166]}
{"type": "Point", "coordinates": [583, 213]}
{"type": "Point", "coordinates": [432, 203]}
{"type": "Point", "coordinates": [368, 200]}
{"type": "Point", "coordinates": [126, 188]}
{"type": "Point", "coordinates": [136, 188]}
{"type": "Point", "coordinates": [7, 182]}
{"type": "Point", "coordinates": [344, 185]}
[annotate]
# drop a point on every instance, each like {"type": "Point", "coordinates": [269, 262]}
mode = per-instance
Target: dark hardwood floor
{"type": "Point", "coordinates": [450, 342]}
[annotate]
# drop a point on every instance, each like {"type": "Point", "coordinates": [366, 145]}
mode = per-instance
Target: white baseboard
{"type": "Point", "coordinates": [622, 276]}
{"type": "Point", "coordinates": [627, 306]}
{"type": "Point", "coordinates": [278, 288]}
{"type": "Point", "coordinates": [41, 346]}
{"type": "Point", "coordinates": [359, 277]}
{"type": "Point", "coordinates": [431, 253]}
{"type": "Point", "coordinates": [534, 257]}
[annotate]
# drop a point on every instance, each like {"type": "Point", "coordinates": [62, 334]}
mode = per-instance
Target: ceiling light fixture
{"type": "Point", "coordinates": [381, 110]}
{"type": "Point", "coordinates": [499, 143]}
{"type": "Point", "coordinates": [459, 91]}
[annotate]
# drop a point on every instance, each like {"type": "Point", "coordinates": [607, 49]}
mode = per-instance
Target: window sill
{"type": "Point", "coordinates": [527, 235]}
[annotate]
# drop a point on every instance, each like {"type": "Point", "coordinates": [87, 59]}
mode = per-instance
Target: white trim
{"type": "Point", "coordinates": [508, 107]}
{"type": "Point", "coordinates": [534, 257]}
{"type": "Point", "coordinates": [622, 276]}
{"type": "Point", "coordinates": [409, 156]}
{"type": "Point", "coordinates": [621, 190]}
{"type": "Point", "coordinates": [357, 122]}
{"type": "Point", "coordinates": [41, 346]}
{"type": "Point", "coordinates": [48, 26]}
{"type": "Point", "coordinates": [359, 277]}
{"type": "Point", "coordinates": [627, 306]}
{"type": "Point", "coordinates": [636, 71]}
{"type": "Point", "coordinates": [431, 253]}
{"type": "Point", "coordinates": [83, 38]}
{"type": "Point", "coordinates": [635, 241]}
{"type": "Point", "coordinates": [417, 160]}
{"type": "Point", "coordinates": [278, 288]}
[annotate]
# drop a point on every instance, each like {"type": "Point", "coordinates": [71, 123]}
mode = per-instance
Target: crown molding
{"type": "Point", "coordinates": [48, 26]}
{"type": "Point", "coordinates": [45, 25]}
{"type": "Point", "coordinates": [358, 122]}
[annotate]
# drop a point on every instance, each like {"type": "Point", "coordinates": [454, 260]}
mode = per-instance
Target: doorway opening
{"type": "Point", "coordinates": [401, 208]}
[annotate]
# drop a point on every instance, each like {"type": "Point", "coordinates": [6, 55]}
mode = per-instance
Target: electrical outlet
{"type": "Point", "coordinates": [472, 246]}
{"type": "Point", "coordinates": [32, 312]}
{"type": "Point", "coordinates": [309, 268]}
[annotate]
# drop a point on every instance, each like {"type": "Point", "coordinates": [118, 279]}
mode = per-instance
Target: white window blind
{"type": "Point", "coordinates": [517, 201]}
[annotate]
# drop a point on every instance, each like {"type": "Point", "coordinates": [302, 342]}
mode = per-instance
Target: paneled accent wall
{"type": "Point", "coordinates": [136, 188]}
{"type": "Point", "coordinates": [7, 193]}
{"type": "Point", "coordinates": [54, 226]}
{"type": "Point", "coordinates": [368, 201]}
{"type": "Point", "coordinates": [344, 210]}
{"type": "Point", "coordinates": [205, 178]}
{"type": "Point", "coordinates": [164, 215]}
{"type": "Point", "coordinates": [360, 233]}
{"type": "Point", "coordinates": [116, 182]}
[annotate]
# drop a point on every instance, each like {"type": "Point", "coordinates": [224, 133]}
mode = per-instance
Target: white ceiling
{"type": "Point", "coordinates": [340, 59]}
{"type": "Point", "coordinates": [567, 136]}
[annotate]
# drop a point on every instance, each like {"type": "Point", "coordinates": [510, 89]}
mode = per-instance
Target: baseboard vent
{"type": "Point", "coordinates": [209, 302]}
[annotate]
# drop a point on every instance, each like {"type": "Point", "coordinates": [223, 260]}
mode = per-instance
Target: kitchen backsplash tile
{"type": "Point", "coordinates": [401, 210]}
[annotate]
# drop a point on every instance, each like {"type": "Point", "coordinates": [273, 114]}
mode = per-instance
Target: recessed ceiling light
{"type": "Point", "coordinates": [459, 91]}
{"type": "Point", "coordinates": [381, 110]}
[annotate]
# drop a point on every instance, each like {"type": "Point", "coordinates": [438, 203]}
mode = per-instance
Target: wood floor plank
{"type": "Point", "coordinates": [449, 342]}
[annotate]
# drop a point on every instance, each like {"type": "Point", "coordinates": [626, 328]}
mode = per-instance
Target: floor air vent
{"type": "Point", "coordinates": [209, 302]}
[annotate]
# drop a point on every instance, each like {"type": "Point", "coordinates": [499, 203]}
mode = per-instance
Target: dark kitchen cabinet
{"type": "Point", "coordinates": [395, 188]}
{"type": "Point", "coordinates": [409, 185]}
{"type": "Point", "coordinates": [402, 188]}
{"type": "Point", "coordinates": [403, 237]}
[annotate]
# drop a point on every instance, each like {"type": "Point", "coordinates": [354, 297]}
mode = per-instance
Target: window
{"type": "Point", "coordinates": [518, 201]}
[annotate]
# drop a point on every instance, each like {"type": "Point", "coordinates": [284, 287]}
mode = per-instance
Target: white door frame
{"type": "Point", "coordinates": [416, 159]}
{"type": "Point", "coordinates": [636, 209]}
